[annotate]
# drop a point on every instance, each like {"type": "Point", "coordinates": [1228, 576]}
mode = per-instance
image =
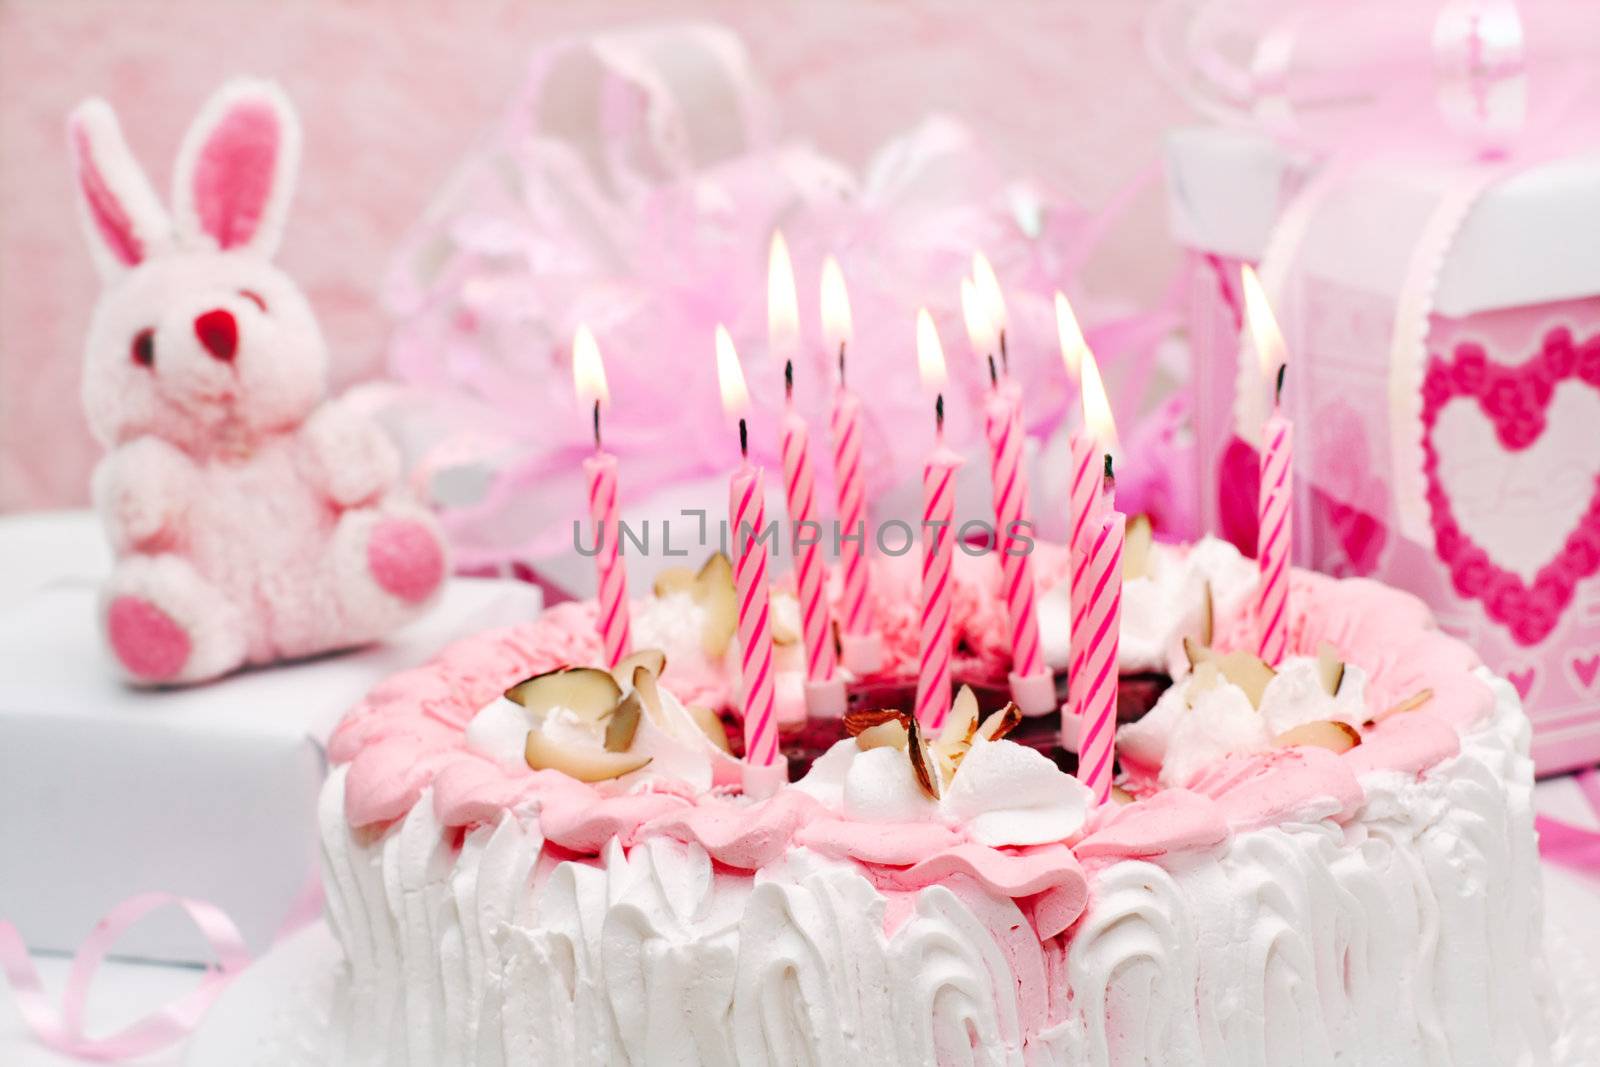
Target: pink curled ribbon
{"type": "Point", "coordinates": [61, 1029]}
{"type": "Point", "coordinates": [1573, 847]}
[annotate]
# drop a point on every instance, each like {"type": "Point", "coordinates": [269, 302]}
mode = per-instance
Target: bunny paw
{"type": "Point", "coordinates": [388, 564]}
{"type": "Point", "coordinates": [149, 643]}
{"type": "Point", "coordinates": [405, 558]}
{"type": "Point", "coordinates": [168, 625]}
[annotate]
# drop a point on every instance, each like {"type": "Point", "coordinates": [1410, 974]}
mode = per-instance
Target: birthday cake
{"type": "Point", "coordinates": [532, 860]}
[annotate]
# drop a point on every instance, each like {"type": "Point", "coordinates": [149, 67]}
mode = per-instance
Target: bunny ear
{"type": "Point", "coordinates": [236, 168]}
{"type": "Point", "coordinates": [122, 218]}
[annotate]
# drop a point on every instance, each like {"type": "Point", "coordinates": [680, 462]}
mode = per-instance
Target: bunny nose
{"type": "Point", "coordinates": [219, 332]}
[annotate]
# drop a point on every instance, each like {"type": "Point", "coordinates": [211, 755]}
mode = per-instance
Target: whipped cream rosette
{"type": "Point", "coordinates": [1003, 794]}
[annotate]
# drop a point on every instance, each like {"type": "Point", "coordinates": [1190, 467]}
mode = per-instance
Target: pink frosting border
{"type": "Point", "coordinates": [408, 735]}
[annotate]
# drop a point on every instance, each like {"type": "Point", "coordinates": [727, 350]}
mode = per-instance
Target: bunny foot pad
{"type": "Point", "coordinates": [147, 641]}
{"type": "Point", "coordinates": [405, 559]}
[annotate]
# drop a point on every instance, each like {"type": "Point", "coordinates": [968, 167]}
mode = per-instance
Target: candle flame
{"type": "Point", "coordinates": [836, 324]}
{"type": "Point", "coordinates": [1073, 346]}
{"type": "Point", "coordinates": [1096, 405]}
{"type": "Point", "coordinates": [980, 330]}
{"type": "Point", "coordinates": [930, 353]}
{"type": "Point", "coordinates": [1264, 332]}
{"type": "Point", "coordinates": [588, 371]}
{"type": "Point", "coordinates": [783, 310]}
{"type": "Point", "coordinates": [988, 287]}
{"type": "Point", "coordinates": [730, 376]}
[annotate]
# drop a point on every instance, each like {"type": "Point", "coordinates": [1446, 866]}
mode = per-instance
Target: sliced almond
{"type": "Point", "coordinates": [651, 659]}
{"type": "Point", "coordinates": [1000, 723]}
{"type": "Point", "coordinates": [891, 733]}
{"type": "Point", "coordinates": [1120, 795]}
{"type": "Point", "coordinates": [711, 724]}
{"type": "Point", "coordinates": [1330, 668]}
{"type": "Point", "coordinates": [623, 723]}
{"type": "Point", "coordinates": [1208, 616]}
{"type": "Point", "coordinates": [1410, 703]}
{"type": "Point", "coordinates": [962, 720]}
{"type": "Point", "coordinates": [588, 692]}
{"type": "Point", "coordinates": [1333, 736]}
{"type": "Point", "coordinates": [922, 763]}
{"type": "Point", "coordinates": [1196, 651]}
{"type": "Point", "coordinates": [1248, 671]}
{"type": "Point", "coordinates": [863, 719]}
{"type": "Point", "coordinates": [586, 764]}
{"type": "Point", "coordinates": [714, 591]}
{"type": "Point", "coordinates": [644, 684]}
{"type": "Point", "coordinates": [673, 580]}
{"type": "Point", "coordinates": [1205, 678]}
{"type": "Point", "coordinates": [1136, 547]}
{"type": "Point", "coordinates": [782, 633]}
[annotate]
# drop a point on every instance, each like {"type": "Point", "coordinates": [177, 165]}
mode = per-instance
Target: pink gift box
{"type": "Point", "coordinates": [1466, 469]}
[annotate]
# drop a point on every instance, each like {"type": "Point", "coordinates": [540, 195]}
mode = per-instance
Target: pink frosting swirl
{"type": "Point", "coordinates": [408, 735]}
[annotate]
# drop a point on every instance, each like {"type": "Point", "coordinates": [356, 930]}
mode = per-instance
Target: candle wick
{"type": "Point", "coordinates": [597, 425]}
{"type": "Point", "coordinates": [1110, 475]}
{"type": "Point", "coordinates": [1005, 356]}
{"type": "Point", "coordinates": [994, 378]}
{"type": "Point", "coordinates": [938, 413]}
{"type": "Point", "coordinates": [1277, 395]}
{"type": "Point", "coordinates": [744, 440]}
{"type": "Point", "coordinates": [788, 379]}
{"type": "Point", "coordinates": [841, 364]}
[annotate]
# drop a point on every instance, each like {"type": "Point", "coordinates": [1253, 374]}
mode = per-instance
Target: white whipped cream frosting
{"type": "Point", "coordinates": [1159, 607]}
{"type": "Point", "coordinates": [1407, 937]}
{"type": "Point", "coordinates": [1004, 793]}
{"type": "Point", "coordinates": [1183, 740]}
{"type": "Point", "coordinates": [676, 745]}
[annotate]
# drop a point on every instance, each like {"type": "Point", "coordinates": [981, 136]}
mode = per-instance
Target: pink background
{"type": "Point", "coordinates": [393, 94]}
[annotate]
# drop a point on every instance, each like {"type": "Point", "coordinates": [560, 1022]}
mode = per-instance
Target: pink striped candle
{"type": "Point", "coordinates": [938, 547]}
{"type": "Point", "coordinates": [1276, 537]}
{"type": "Point", "coordinates": [1103, 619]}
{"type": "Point", "coordinates": [600, 471]}
{"type": "Point", "coordinates": [764, 765]}
{"type": "Point", "coordinates": [799, 486]}
{"type": "Point", "coordinates": [938, 543]}
{"type": "Point", "coordinates": [861, 648]}
{"type": "Point", "coordinates": [1032, 685]}
{"type": "Point", "coordinates": [1085, 466]}
{"type": "Point", "coordinates": [1275, 525]}
{"type": "Point", "coordinates": [1009, 478]}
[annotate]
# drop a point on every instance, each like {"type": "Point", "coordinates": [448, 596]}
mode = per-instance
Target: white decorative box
{"type": "Point", "coordinates": [1448, 440]}
{"type": "Point", "coordinates": [207, 792]}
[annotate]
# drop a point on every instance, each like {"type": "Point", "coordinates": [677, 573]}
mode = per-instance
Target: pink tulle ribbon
{"type": "Point", "coordinates": [1573, 847]}
{"type": "Point", "coordinates": [62, 1028]}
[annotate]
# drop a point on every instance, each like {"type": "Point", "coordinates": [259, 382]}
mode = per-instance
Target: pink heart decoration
{"type": "Point", "coordinates": [1586, 670]}
{"type": "Point", "coordinates": [1523, 680]}
{"type": "Point", "coordinates": [1514, 399]}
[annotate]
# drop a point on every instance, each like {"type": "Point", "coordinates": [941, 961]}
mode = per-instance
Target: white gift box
{"type": "Point", "coordinates": [207, 792]}
{"type": "Point", "coordinates": [1443, 324]}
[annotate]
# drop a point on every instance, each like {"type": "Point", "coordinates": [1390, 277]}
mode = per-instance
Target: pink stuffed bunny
{"type": "Point", "coordinates": [252, 520]}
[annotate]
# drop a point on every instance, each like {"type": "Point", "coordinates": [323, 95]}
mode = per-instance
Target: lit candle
{"type": "Point", "coordinates": [1103, 605]}
{"type": "Point", "coordinates": [861, 646]}
{"type": "Point", "coordinates": [1086, 466]}
{"type": "Point", "coordinates": [764, 766]}
{"type": "Point", "coordinates": [600, 470]}
{"type": "Point", "coordinates": [825, 695]}
{"type": "Point", "coordinates": [1032, 685]}
{"type": "Point", "coordinates": [1275, 525]}
{"type": "Point", "coordinates": [993, 303]}
{"type": "Point", "coordinates": [938, 540]}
